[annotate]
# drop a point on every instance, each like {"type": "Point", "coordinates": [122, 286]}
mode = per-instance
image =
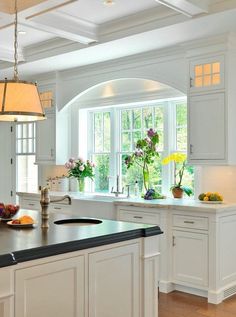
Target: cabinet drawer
{"type": "Point", "coordinates": [59, 208]}
{"type": "Point", "coordinates": [139, 217]}
{"type": "Point", "coordinates": [190, 222]}
{"type": "Point", "coordinates": [30, 204]}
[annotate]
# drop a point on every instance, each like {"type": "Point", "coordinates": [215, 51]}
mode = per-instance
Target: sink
{"type": "Point", "coordinates": [78, 222]}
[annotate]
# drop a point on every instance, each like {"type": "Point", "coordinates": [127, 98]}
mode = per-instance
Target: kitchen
{"type": "Point", "coordinates": [106, 74]}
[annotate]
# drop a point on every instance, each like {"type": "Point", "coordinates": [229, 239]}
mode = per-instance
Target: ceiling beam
{"type": "Point", "coordinates": [189, 8]}
{"type": "Point", "coordinates": [7, 55]}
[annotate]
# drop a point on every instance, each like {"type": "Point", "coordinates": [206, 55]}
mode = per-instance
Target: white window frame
{"type": "Point", "coordinates": [169, 132]}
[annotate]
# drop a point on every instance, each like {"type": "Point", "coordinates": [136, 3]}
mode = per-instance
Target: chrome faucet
{"type": "Point", "coordinates": [45, 201]}
{"type": "Point", "coordinates": [117, 192]}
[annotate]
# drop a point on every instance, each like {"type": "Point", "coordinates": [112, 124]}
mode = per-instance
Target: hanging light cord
{"type": "Point", "coordinates": [16, 75]}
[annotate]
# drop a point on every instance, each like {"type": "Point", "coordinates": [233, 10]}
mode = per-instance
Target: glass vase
{"type": "Point", "coordinates": [81, 185]}
{"type": "Point", "coordinates": [146, 180]}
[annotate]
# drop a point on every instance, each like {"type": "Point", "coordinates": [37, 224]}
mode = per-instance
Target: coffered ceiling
{"type": "Point", "coordinates": [54, 28]}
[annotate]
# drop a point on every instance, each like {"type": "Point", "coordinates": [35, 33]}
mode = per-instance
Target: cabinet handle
{"type": "Point", "coordinates": [191, 82]}
{"type": "Point", "coordinates": [58, 208]}
{"type": "Point", "coordinates": [52, 152]}
{"type": "Point", "coordinates": [191, 222]}
{"type": "Point", "coordinates": [138, 217]}
{"type": "Point", "coordinates": [31, 204]}
{"type": "Point", "coordinates": [173, 241]}
{"type": "Point", "coordinates": [191, 149]}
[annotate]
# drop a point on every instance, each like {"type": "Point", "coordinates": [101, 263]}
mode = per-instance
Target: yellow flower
{"type": "Point", "coordinates": [175, 157]}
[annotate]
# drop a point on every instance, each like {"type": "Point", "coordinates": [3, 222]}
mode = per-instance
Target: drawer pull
{"type": "Point", "coordinates": [58, 208]}
{"type": "Point", "coordinates": [31, 204]}
{"type": "Point", "coordinates": [173, 241]}
{"type": "Point", "coordinates": [190, 222]}
{"type": "Point", "coordinates": [138, 217]}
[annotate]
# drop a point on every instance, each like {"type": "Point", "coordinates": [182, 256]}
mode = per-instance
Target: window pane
{"type": "Point", "coordinates": [19, 131]}
{"type": "Point", "coordinates": [161, 140]}
{"type": "Point", "coordinates": [25, 130]}
{"type": "Point", "coordinates": [159, 118]}
{"type": "Point", "coordinates": [126, 141]}
{"type": "Point", "coordinates": [125, 120]}
{"type": "Point", "coordinates": [181, 114]}
{"type": "Point", "coordinates": [102, 171]}
{"type": "Point", "coordinates": [30, 130]}
{"type": "Point", "coordinates": [136, 115]}
{"type": "Point", "coordinates": [107, 132]}
{"type": "Point", "coordinates": [98, 142]}
{"type": "Point", "coordinates": [181, 134]}
{"type": "Point", "coordinates": [98, 122]}
{"type": "Point", "coordinates": [147, 118]}
{"type": "Point", "coordinates": [136, 136]}
{"type": "Point", "coordinates": [25, 146]}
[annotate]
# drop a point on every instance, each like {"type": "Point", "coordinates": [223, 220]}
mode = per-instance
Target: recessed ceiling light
{"type": "Point", "coordinates": [109, 2]}
{"type": "Point", "coordinates": [21, 32]}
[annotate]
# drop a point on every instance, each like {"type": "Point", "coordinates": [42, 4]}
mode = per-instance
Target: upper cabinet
{"type": "Point", "coordinates": [211, 108]}
{"type": "Point", "coordinates": [52, 134]}
{"type": "Point", "coordinates": [207, 74]}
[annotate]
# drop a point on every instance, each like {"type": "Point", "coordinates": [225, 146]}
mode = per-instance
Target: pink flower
{"type": "Point", "coordinates": [138, 152]}
{"type": "Point", "coordinates": [71, 160]}
{"type": "Point", "coordinates": [81, 168]}
{"type": "Point", "coordinates": [148, 140]}
{"type": "Point", "coordinates": [93, 165]}
{"type": "Point", "coordinates": [151, 132]}
{"type": "Point", "coordinates": [81, 160]}
{"type": "Point", "coordinates": [68, 165]}
{"type": "Point", "coordinates": [73, 165]}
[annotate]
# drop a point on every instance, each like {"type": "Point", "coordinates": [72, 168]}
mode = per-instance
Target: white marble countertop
{"type": "Point", "coordinates": [168, 203]}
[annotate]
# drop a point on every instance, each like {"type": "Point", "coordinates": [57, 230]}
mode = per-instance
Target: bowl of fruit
{"type": "Point", "coordinates": [8, 211]}
{"type": "Point", "coordinates": [211, 198]}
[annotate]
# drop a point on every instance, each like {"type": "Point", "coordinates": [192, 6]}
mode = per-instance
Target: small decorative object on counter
{"type": "Point", "coordinates": [63, 184]}
{"type": "Point", "coordinates": [80, 169]}
{"type": "Point", "coordinates": [136, 189]}
{"type": "Point", "coordinates": [152, 194]}
{"type": "Point", "coordinates": [178, 189]}
{"type": "Point", "coordinates": [145, 154]}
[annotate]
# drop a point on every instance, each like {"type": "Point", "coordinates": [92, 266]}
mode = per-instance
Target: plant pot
{"type": "Point", "coordinates": [177, 192]}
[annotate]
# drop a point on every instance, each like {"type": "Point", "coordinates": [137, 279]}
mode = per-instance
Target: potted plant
{"type": "Point", "coordinates": [80, 169]}
{"type": "Point", "coordinates": [178, 189]}
{"type": "Point", "coordinates": [145, 153]}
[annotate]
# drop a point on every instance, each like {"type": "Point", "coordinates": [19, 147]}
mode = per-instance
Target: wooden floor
{"type": "Point", "coordinates": [177, 304]}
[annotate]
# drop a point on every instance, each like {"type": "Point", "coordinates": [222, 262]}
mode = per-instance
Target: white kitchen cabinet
{"type": "Point", "coordinates": [52, 139]}
{"type": "Point", "coordinates": [6, 293]}
{"type": "Point", "coordinates": [51, 289]}
{"type": "Point", "coordinates": [6, 307]}
{"type": "Point", "coordinates": [105, 299]}
{"type": "Point", "coordinates": [211, 105]}
{"type": "Point", "coordinates": [207, 127]}
{"type": "Point", "coordinates": [190, 258]}
{"type": "Point", "coordinates": [207, 74]}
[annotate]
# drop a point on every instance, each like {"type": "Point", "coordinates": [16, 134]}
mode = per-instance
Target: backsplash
{"type": "Point", "coordinates": [218, 179]}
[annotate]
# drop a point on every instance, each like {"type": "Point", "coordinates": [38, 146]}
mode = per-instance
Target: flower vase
{"type": "Point", "coordinates": [146, 180]}
{"type": "Point", "coordinates": [81, 185]}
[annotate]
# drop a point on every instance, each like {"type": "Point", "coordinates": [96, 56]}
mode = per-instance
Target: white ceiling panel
{"type": "Point", "coordinates": [96, 12]}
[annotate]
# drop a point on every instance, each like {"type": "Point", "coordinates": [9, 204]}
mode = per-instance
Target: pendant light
{"type": "Point", "coordinates": [19, 100]}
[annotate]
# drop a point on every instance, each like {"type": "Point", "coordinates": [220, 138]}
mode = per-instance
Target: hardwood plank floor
{"type": "Point", "coordinates": [178, 304]}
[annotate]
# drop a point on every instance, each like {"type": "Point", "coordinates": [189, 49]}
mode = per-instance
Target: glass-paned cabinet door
{"type": "Point", "coordinates": [207, 74]}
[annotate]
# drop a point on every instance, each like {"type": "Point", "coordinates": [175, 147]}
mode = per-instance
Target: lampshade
{"type": "Point", "coordinates": [20, 101]}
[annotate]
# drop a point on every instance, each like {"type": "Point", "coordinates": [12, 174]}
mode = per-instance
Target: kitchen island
{"type": "Point", "coordinates": [106, 269]}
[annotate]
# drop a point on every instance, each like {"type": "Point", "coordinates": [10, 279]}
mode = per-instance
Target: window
{"type": "Point", "coordinates": [27, 171]}
{"type": "Point", "coordinates": [115, 131]}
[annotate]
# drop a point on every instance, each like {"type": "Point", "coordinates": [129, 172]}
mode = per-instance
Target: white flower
{"type": "Point", "coordinates": [81, 168]}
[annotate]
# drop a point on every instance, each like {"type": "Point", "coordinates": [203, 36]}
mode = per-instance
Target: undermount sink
{"type": "Point", "coordinates": [78, 222]}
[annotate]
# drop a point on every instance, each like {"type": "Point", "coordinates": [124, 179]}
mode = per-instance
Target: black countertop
{"type": "Point", "coordinates": [19, 245]}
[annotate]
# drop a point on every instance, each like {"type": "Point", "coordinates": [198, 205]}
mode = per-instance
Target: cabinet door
{"type": "Point", "coordinates": [190, 258]}
{"type": "Point", "coordinates": [206, 128]}
{"type": "Point", "coordinates": [51, 289]}
{"type": "Point", "coordinates": [45, 136]}
{"type": "Point", "coordinates": [207, 74]}
{"type": "Point", "coordinates": [6, 307]}
{"type": "Point", "coordinates": [114, 282]}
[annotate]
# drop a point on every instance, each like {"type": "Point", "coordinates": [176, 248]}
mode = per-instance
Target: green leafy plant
{"type": "Point", "coordinates": [178, 158]}
{"type": "Point", "coordinates": [145, 153]}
